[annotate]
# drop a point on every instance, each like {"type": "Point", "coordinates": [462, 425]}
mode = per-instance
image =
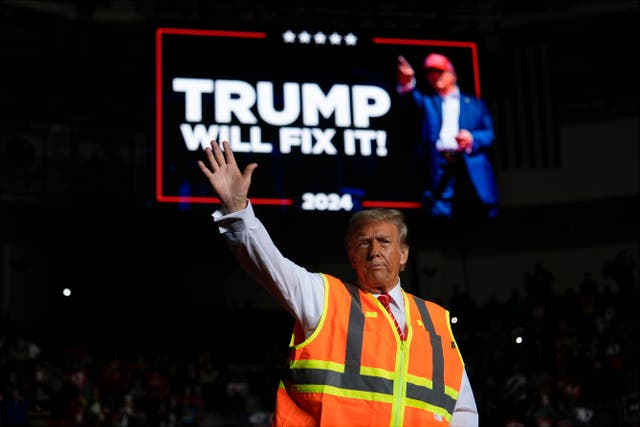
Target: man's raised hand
{"type": "Point", "coordinates": [231, 185]}
{"type": "Point", "coordinates": [404, 71]}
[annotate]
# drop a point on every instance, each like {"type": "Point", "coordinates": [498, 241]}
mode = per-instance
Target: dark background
{"type": "Point", "coordinates": [77, 138]}
{"type": "Point", "coordinates": [77, 184]}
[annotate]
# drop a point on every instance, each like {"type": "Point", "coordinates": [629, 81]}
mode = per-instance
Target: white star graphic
{"type": "Point", "coordinates": [335, 38]}
{"type": "Point", "coordinates": [304, 37]}
{"type": "Point", "coordinates": [289, 36]}
{"type": "Point", "coordinates": [320, 37]}
{"type": "Point", "coordinates": [350, 39]}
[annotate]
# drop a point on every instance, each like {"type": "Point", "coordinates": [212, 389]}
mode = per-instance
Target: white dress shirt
{"type": "Point", "coordinates": [301, 292]}
{"type": "Point", "coordinates": [450, 118]}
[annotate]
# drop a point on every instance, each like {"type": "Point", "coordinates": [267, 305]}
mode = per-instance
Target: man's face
{"type": "Point", "coordinates": [440, 81]}
{"type": "Point", "coordinates": [377, 256]}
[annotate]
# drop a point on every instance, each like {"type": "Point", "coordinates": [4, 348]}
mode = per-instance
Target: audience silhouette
{"type": "Point", "coordinates": [540, 359]}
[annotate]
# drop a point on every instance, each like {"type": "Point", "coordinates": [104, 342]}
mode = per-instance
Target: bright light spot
{"type": "Point", "coordinates": [518, 340]}
{"type": "Point", "coordinates": [66, 292]}
{"type": "Point", "coordinates": [454, 319]}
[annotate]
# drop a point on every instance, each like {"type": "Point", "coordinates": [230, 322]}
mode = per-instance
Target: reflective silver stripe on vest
{"type": "Point", "coordinates": [436, 395]}
{"type": "Point", "coordinates": [352, 379]}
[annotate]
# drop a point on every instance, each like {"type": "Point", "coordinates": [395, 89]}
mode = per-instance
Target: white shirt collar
{"type": "Point", "coordinates": [396, 294]}
{"type": "Point", "coordinates": [453, 94]}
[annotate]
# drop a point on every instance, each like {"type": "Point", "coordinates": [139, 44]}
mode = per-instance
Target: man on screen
{"type": "Point", "coordinates": [456, 135]}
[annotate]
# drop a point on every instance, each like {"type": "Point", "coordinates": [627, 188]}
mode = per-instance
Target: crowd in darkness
{"type": "Point", "coordinates": [543, 358]}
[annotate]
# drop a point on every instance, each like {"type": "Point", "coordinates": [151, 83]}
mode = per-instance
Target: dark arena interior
{"type": "Point", "coordinates": [120, 303]}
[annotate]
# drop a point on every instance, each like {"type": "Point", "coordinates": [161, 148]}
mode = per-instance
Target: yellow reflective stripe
{"type": "Point", "coordinates": [378, 397]}
{"type": "Point", "coordinates": [317, 364]}
{"type": "Point", "coordinates": [452, 337]}
{"type": "Point", "coordinates": [428, 407]}
{"type": "Point", "coordinates": [339, 367]}
{"type": "Point", "coordinates": [451, 392]}
{"type": "Point", "coordinates": [370, 314]}
{"type": "Point", "coordinates": [400, 383]}
{"type": "Point", "coordinates": [292, 340]}
{"type": "Point", "coordinates": [322, 317]}
{"type": "Point", "coordinates": [376, 372]}
{"type": "Point", "coordinates": [408, 325]}
{"type": "Point", "coordinates": [424, 382]}
{"type": "Point", "coordinates": [343, 392]}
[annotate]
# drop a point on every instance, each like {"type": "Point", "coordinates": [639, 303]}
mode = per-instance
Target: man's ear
{"type": "Point", "coordinates": [404, 256]}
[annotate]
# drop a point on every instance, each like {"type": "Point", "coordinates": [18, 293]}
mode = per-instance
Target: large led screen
{"type": "Point", "coordinates": [314, 109]}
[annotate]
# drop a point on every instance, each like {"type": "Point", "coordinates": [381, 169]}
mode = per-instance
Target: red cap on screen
{"type": "Point", "coordinates": [439, 62]}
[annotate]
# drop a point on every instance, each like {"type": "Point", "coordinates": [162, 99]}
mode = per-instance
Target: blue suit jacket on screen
{"type": "Point", "coordinates": [475, 117]}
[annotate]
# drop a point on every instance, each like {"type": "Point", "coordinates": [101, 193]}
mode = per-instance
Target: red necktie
{"type": "Point", "coordinates": [385, 299]}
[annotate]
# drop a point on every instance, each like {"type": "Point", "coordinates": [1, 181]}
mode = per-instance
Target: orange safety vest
{"type": "Point", "coordinates": [354, 370]}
